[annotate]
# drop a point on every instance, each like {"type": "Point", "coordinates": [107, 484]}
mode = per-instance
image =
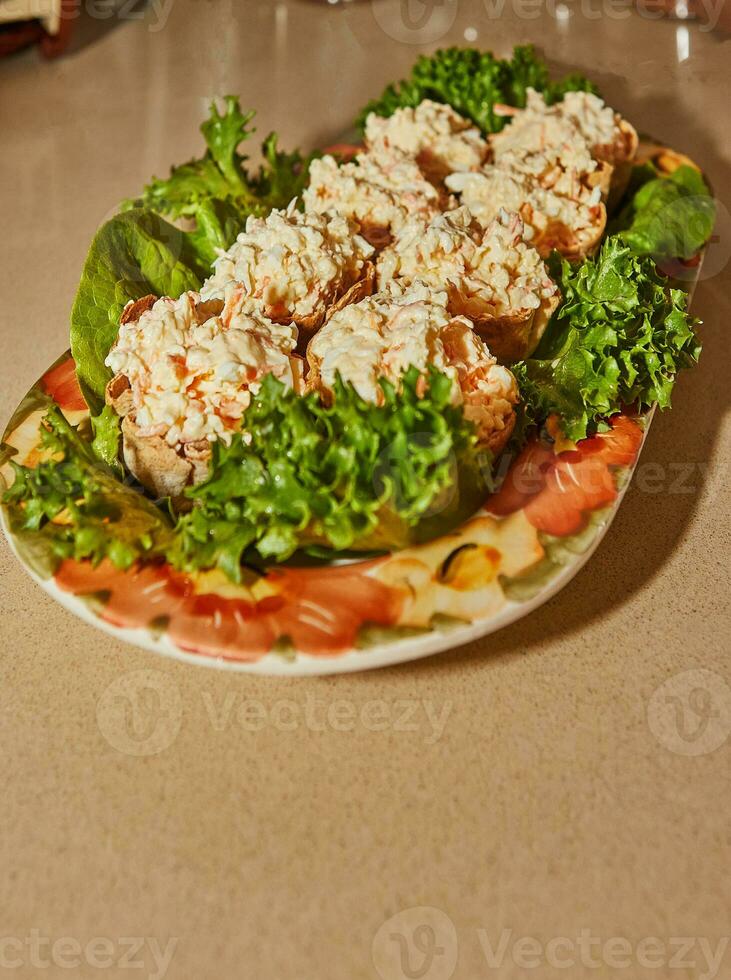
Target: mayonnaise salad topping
{"type": "Point", "coordinates": [192, 375]}
{"type": "Point", "coordinates": [294, 265]}
{"type": "Point", "coordinates": [494, 265]}
{"type": "Point", "coordinates": [432, 133]}
{"type": "Point", "coordinates": [568, 169]}
{"type": "Point", "coordinates": [382, 187]}
{"type": "Point", "coordinates": [492, 189]}
{"type": "Point", "coordinates": [385, 334]}
{"type": "Point", "coordinates": [579, 115]}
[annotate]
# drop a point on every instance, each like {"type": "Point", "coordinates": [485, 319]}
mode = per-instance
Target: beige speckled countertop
{"type": "Point", "coordinates": [535, 784]}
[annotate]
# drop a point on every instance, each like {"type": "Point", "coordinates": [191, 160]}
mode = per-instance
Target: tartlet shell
{"type": "Point", "coordinates": [510, 337]}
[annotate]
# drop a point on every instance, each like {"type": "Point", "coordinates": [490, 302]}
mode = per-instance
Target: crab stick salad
{"type": "Point", "coordinates": [293, 266]}
{"type": "Point", "coordinates": [388, 333]}
{"type": "Point", "coordinates": [380, 190]}
{"type": "Point", "coordinates": [550, 220]}
{"type": "Point", "coordinates": [491, 274]}
{"type": "Point", "coordinates": [553, 164]}
{"type": "Point", "coordinates": [434, 134]}
{"type": "Point", "coordinates": [185, 371]}
{"type": "Point", "coordinates": [578, 116]}
{"type": "Point", "coordinates": [567, 169]}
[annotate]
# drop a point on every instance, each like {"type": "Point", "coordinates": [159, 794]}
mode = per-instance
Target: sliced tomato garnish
{"type": "Point", "coordinates": [558, 490]}
{"type": "Point", "coordinates": [61, 384]}
{"type": "Point", "coordinates": [319, 610]}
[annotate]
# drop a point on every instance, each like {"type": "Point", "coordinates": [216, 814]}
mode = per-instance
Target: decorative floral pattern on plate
{"type": "Point", "coordinates": [528, 539]}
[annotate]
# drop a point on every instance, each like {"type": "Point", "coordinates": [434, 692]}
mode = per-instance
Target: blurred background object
{"type": "Point", "coordinates": [47, 23]}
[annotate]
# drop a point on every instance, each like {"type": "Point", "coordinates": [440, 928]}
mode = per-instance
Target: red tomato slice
{"type": "Point", "coordinates": [61, 385]}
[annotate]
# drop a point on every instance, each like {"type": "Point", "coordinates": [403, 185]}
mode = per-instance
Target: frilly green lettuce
{"type": "Point", "coordinates": [349, 476]}
{"type": "Point", "coordinates": [216, 190]}
{"type": "Point", "coordinates": [473, 82]}
{"type": "Point", "coordinates": [80, 507]}
{"type": "Point", "coordinates": [619, 337]}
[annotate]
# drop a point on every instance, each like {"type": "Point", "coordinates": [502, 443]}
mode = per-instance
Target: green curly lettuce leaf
{"type": "Point", "coordinates": [350, 476]}
{"type": "Point", "coordinates": [667, 217]}
{"type": "Point", "coordinates": [78, 508]}
{"type": "Point", "coordinates": [473, 82]}
{"type": "Point", "coordinates": [619, 337]}
{"type": "Point", "coordinates": [217, 191]}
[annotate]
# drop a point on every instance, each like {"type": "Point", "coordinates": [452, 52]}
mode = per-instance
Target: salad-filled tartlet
{"type": "Point", "coordinates": [390, 333]}
{"type": "Point", "coordinates": [440, 140]}
{"type": "Point", "coordinates": [579, 119]}
{"type": "Point", "coordinates": [296, 267]}
{"type": "Point", "coordinates": [379, 190]}
{"type": "Point", "coordinates": [184, 374]}
{"type": "Point", "coordinates": [552, 222]}
{"type": "Point", "coordinates": [490, 273]}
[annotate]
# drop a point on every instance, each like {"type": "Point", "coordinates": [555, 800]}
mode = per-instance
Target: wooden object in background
{"type": "Point", "coordinates": [48, 23]}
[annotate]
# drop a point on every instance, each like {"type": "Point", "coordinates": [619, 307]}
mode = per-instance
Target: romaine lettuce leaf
{"type": "Point", "coordinates": [620, 336]}
{"type": "Point", "coordinates": [107, 430]}
{"type": "Point", "coordinates": [473, 82]}
{"type": "Point", "coordinates": [133, 254]}
{"type": "Point", "coordinates": [667, 217]}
